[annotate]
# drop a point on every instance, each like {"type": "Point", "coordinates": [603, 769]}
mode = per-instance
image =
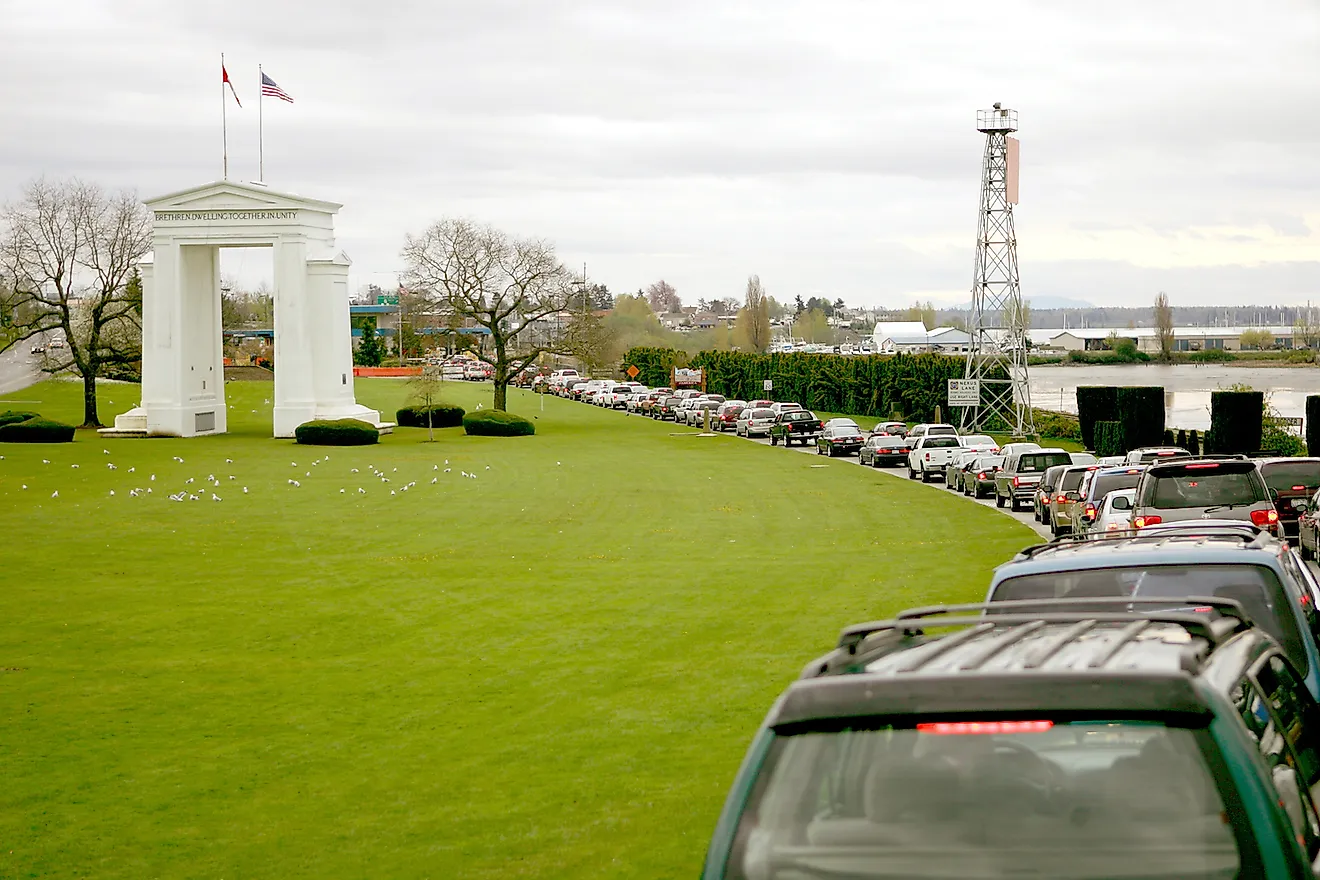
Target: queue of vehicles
{"type": "Point", "coordinates": [1136, 698]}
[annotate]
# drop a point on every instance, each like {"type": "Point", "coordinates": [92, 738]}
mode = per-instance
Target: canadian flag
{"type": "Point", "coordinates": [224, 76]}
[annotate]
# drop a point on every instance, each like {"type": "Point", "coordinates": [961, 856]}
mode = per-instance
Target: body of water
{"type": "Point", "coordinates": [1187, 387]}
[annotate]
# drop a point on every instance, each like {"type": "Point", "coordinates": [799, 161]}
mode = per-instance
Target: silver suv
{"type": "Point", "coordinates": [1215, 488]}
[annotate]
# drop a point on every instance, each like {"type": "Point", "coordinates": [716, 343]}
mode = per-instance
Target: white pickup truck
{"type": "Point", "coordinates": [929, 457]}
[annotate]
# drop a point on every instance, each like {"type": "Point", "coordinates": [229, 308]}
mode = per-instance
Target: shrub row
{"type": "Point", "coordinates": [494, 423]}
{"type": "Point", "coordinates": [35, 429]}
{"type": "Point", "coordinates": [1313, 424]}
{"type": "Point", "coordinates": [1236, 421]}
{"type": "Point", "coordinates": [873, 385]}
{"type": "Point", "coordinates": [336, 432]}
{"type": "Point", "coordinates": [443, 415]}
{"type": "Point", "coordinates": [654, 364]}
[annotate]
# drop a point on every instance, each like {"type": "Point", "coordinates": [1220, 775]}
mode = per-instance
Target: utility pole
{"type": "Point", "coordinates": [998, 356]}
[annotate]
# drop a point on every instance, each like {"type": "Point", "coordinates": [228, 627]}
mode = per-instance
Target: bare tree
{"type": "Point", "coordinates": [1164, 326]}
{"type": "Point", "coordinates": [69, 249]}
{"type": "Point", "coordinates": [752, 330]}
{"type": "Point", "coordinates": [515, 288]}
{"type": "Point", "coordinates": [663, 298]}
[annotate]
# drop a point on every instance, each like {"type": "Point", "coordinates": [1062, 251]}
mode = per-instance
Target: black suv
{"type": "Point", "coordinates": [1289, 480]}
{"type": "Point", "coordinates": [1038, 742]}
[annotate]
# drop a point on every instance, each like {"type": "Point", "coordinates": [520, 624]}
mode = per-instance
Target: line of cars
{"type": "Point", "coordinates": [1122, 704]}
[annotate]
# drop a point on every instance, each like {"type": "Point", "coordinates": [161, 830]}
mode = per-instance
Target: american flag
{"type": "Point", "coordinates": [269, 87]}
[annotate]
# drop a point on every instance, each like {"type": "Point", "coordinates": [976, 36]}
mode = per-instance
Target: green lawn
{"type": "Point", "coordinates": [549, 671]}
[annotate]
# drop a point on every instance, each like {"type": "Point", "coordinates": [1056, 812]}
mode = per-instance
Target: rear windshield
{"type": "Point", "coordinates": [989, 461]}
{"type": "Point", "coordinates": [1061, 799]}
{"type": "Point", "coordinates": [1209, 484]}
{"type": "Point", "coordinates": [843, 431]}
{"type": "Point", "coordinates": [1071, 480]}
{"type": "Point", "coordinates": [1104, 485]}
{"type": "Point", "coordinates": [797, 415]}
{"type": "Point", "coordinates": [941, 430]}
{"type": "Point", "coordinates": [1282, 476]}
{"type": "Point", "coordinates": [762, 414]}
{"type": "Point", "coordinates": [941, 443]}
{"type": "Point", "coordinates": [1255, 586]}
{"type": "Point", "coordinates": [1040, 461]}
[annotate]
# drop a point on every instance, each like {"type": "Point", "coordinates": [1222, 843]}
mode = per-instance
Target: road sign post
{"type": "Point", "coordinates": [964, 392]}
{"type": "Point", "coordinates": [768, 385]}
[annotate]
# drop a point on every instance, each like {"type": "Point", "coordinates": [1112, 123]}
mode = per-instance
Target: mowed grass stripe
{"type": "Point", "coordinates": [549, 671]}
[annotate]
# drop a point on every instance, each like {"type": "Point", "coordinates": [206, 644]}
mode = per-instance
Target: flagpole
{"type": "Point", "coordinates": [224, 121]}
{"type": "Point", "coordinates": [261, 131]}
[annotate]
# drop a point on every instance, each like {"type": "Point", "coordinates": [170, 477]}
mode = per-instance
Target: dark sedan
{"type": "Point", "coordinates": [883, 449]}
{"type": "Point", "coordinates": [839, 440]}
{"type": "Point", "coordinates": [979, 480]}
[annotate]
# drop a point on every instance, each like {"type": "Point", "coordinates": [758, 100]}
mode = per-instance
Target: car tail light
{"type": "Point", "coordinates": [1299, 488]}
{"type": "Point", "coordinates": [927, 456]}
{"type": "Point", "coordinates": [1141, 522]}
{"type": "Point", "coordinates": [981, 475]}
{"type": "Point", "coordinates": [1015, 482]}
{"type": "Point", "coordinates": [1264, 517]}
{"type": "Point", "coordinates": [1208, 465]}
{"type": "Point", "coordinates": [1061, 498]}
{"type": "Point", "coordinates": [1089, 513]}
{"type": "Point", "coordinates": [946, 728]}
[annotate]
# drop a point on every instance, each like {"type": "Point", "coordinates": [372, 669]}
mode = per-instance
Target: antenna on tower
{"type": "Point", "coordinates": [997, 359]}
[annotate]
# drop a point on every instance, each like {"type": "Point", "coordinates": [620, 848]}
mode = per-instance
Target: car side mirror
{"type": "Point", "coordinates": [1301, 504]}
{"type": "Point", "coordinates": [1274, 494]}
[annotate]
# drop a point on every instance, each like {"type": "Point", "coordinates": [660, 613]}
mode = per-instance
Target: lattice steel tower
{"type": "Point", "coordinates": [998, 353]}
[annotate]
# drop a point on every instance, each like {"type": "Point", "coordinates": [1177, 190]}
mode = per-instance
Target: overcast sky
{"type": "Point", "coordinates": [829, 146]}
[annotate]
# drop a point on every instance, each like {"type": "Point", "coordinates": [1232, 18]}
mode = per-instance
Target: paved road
{"type": "Point", "coordinates": [1023, 517]}
{"type": "Point", "coordinates": [18, 368]}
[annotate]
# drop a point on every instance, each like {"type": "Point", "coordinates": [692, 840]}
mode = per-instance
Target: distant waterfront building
{"type": "Point", "coordinates": [1147, 340]}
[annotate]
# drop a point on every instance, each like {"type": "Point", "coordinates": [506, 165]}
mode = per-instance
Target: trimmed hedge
{"type": "Point", "coordinates": [1312, 424]}
{"type": "Point", "coordinates": [869, 385]}
{"type": "Point", "coordinates": [1193, 442]}
{"type": "Point", "coordinates": [443, 415]}
{"type": "Point", "coordinates": [654, 364]}
{"type": "Point", "coordinates": [1236, 421]}
{"type": "Point", "coordinates": [1181, 440]}
{"type": "Point", "coordinates": [336, 432]}
{"type": "Point", "coordinates": [36, 430]}
{"type": "Point", "coordinates": [11, 416]}
{"type": "Point", "coordinates": [1141, 410]}
{"type": "Point", "coordinates": [495, 423]}
{"type": "Point", "coordinates": [1109, 438]}
{"type": "Point", "coordinates": [1095, 403]}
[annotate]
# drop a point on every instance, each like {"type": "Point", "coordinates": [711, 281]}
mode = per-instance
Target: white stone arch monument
{"type": "Point", "coordinates": [183, 377]}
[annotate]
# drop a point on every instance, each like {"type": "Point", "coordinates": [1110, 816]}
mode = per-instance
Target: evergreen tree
{"type": "Point", "coordinates": [371, 350]}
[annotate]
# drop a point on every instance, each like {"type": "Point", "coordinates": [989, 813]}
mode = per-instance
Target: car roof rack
{"type": "Point", "coordinates": [1220, 456]}
{"type": "Point", "coordinates": [1192, 530]}
{"type": "Point", "coordinates": [978, 619]}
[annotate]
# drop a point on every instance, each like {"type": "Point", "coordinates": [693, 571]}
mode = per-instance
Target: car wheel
{"type": "Point", "coordinates": [875, 462]}
{"type": "Point", "coordinates": [925, 475]}
{"type": "Point", "coordinates": [999, 499]}
{"type": "Point", "coordinates": [774, 441]}
{"type": "Point", "coordinates": [912, 475]}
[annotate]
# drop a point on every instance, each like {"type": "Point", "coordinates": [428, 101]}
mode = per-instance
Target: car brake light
{"type": "Point", "coordinates": [1203, 466]}
{"type": "Point", "coordinates": [1061, 499]}
{"type": "Point", "coordinates": [1015, 482]}
{"type": "Point", "coordinates": [1090, 511]}
{"type": "Point", "coordinates": [927, 456]}
{"type": "Point", "coordinates": [1264, 517]}
{"type": "Point", "coordinates": [981, 475]}
{"type": "Point", "coordinates": [1298, 488]}
{"type": "Point", "coordinates": [945, 728]}
{"type": "Point", "coordinates": [1141, 522]}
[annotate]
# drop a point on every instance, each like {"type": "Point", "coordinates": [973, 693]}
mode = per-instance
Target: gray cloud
{"type": "Point", "coordinates": [828, 146]}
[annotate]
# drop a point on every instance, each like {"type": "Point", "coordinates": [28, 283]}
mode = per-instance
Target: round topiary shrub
{"type": "Point", "coordinates": [493, 423]}
{"type": "Point", "coordinates": [10, 416]}
{"type": "Point", "coordinates": [36, 430]}
{"type": "Point", "coordinates": [336, 432]}
{"type": "Point", "coordinates": [443, 415]}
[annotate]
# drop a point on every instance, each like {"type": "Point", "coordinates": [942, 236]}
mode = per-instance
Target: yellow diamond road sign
{"type": "Point", "coordinates": [632, 372]}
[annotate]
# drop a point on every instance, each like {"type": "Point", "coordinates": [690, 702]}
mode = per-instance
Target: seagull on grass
{"type": "Point", "coordinates": [112, 493]}
{"type": "Point", "coordinates": [55, 494]}
{"type": "Point", "coordinates": [74, 466]}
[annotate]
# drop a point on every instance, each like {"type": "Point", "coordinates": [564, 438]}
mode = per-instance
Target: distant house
{"type": "Point", "coordinates": [704, 320]}
{"type": "Point", "coordinates": [949, 340]}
